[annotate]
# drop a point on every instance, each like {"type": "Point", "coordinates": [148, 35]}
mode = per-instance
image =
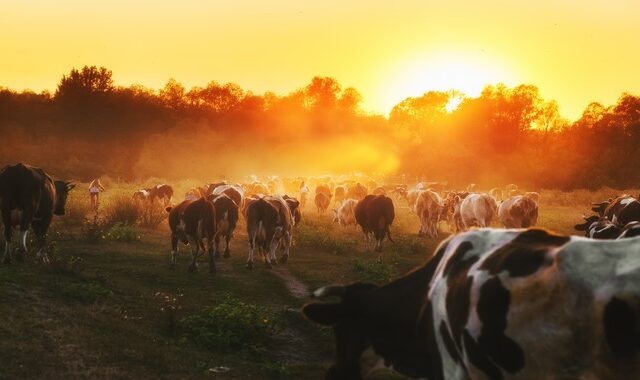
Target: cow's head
{"type": "Point", "coordinates": [62, 192]}
{"type": "Point", "coordinates": [348, 319]}
{"type": "Point", "coordinates": [601, 206]}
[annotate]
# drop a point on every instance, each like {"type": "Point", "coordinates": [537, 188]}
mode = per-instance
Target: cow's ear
{"type": "Point", "coordinates": [323, 313]}
{"type": "Point", "coordinates": [70, 185]}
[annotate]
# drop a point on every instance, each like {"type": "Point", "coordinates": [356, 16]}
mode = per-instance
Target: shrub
{"type": "Point", "coordinates": [232, 324]}
{"type": "Point", "coordinates": [123, 232]}
{"type": "Point", "coordinates": [122, 209]}
{"type": "Point", "coordinates": [94, 229]}
{"type": "Point", "coordinates": [375, 271]}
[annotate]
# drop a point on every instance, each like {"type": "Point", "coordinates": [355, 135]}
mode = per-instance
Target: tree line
{"type": "Point", "coordinates": [90, 127]}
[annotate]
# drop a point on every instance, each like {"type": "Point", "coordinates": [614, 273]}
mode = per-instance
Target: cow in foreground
{"type": "Point", "coordinates": [29, 198]}
{"type": "Point", "coordinates": [375, 214]}
{"type": "Point", "coordinates": [193, 223]}
{"type": "Point", "coordinates": [519, 211]}
{"type": "Point", "coordinates": [496, 304]}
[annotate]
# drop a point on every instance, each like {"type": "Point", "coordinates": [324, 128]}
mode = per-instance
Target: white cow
{"type": "Point", "coordinates": [345, 215]}
{"type": "Point", "coordinates": [429, 207]}
{"type": "Point", "coordinates": [478, 210]}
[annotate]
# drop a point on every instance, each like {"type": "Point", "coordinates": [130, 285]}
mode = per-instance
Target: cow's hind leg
{"type": "Point", "coordinates": [213, 251]}
{"type": "Point", "coordinates": [40, 229]}
{"type": "Point", "coordinates": [217, 243]}
{"type": "Point", "coordinates": [227, 246]}
{"type": "Point", "coordinates": [287, 247]}
{"type": "Point", "coordinates": [6, 219]}
{"type": "Point", "coordinates": [251, 252]}
{"type": "Point", "coordinates": [174, 251]}
{"type": "Point", "coordinates": [195, 250]}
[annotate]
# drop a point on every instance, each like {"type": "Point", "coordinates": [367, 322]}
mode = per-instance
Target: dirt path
{"type": "Point", "coordinates": [295, 286]}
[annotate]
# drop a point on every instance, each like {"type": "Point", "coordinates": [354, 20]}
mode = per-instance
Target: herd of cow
{"type": "Point", "coordinates": [519, 303]}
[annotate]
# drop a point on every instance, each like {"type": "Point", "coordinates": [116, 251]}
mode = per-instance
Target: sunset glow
{"type": "Point", "coordinates": [387, 51]}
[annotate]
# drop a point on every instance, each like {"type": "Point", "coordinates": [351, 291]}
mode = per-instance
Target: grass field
{"type": "Point", "coordinates": [109, 307]}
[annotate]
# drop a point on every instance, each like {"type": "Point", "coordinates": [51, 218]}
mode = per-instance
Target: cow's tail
{"type": "Point", "coordinates": [389, 234]}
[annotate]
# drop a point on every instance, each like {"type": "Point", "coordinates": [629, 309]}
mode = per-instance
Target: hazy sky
{"type": "Point", "coordinates": [574, 51]}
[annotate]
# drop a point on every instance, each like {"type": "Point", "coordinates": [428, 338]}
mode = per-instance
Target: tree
{"type": "Point", "coordinates": [86, 81]}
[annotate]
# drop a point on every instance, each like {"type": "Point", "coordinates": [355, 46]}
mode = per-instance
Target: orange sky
{"type": "Point", "coordinates": [574, 51]}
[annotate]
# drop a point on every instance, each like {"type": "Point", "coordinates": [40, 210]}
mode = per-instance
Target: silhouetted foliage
{"type": "Point", "coordinates": [91, 127]}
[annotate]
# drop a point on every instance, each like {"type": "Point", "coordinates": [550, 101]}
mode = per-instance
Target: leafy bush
{"type": "Point", "coordinates": [232, 324]}
{"type": "Point", "coordinates": [94, 229]}
{"type": "Point", "coordinates": [375, 271]}
{"type": "Point", "coordinates": [123, 232]}
{"type": "Point", "coordinates": [122, 209]}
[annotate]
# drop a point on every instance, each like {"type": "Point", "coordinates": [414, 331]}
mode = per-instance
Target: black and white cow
{"type": "Point", "coordinates": [497, 304]}
{"type": "Point", "coordinates": [599, 227]}
{"type": "Point", "coordinates": [29, 198]}
{"type": "Point", "coordinates": [269, 226]}
{"type": "Point", "coordinates": [193, 223]}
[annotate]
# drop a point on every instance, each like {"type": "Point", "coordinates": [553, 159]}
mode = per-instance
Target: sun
{"type": "Point", "coordinates": [461, 71]}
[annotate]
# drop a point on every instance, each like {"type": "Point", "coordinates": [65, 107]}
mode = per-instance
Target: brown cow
{"type": "Point", "coordinates": [322, 202]}
{"type": "Point", "coordinates": [520, 211]}
{"type": "Point", "coordinates": [226, 221]}
{"type": "Point", "coordinates": [375, 214]}
{"type": "Point", "coordinates": [192, 222]}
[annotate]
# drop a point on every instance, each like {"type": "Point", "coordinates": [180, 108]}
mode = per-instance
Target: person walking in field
{"type": "Point", "coordinates": [95, 187]}
{"type": "Point", "coordinates": [303, 194]}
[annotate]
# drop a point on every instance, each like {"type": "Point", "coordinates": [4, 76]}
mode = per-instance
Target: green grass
{"type": "Point", "coordinates": [111, 307]}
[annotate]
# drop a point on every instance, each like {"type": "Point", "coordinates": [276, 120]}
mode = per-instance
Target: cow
{"type": "Point", "coordinates": [375, 214]}
{"type": "Point", "coordinates": [429, 206]}
{"type": "Point", "coordinates": [192, 222]}
{"type": "Point", "coordinates": [533, 195]}
{"type": "Point", "coordinates": [400, 191]}
{"type": "Point", "coordinates": [519, 211]}
{"type": "Point", "coordinates": [339, 194]}
{"type": "Point", "coordinates": [496, 193]}
{"type": "Point", "coordinates": [411, 198]}
{"type": "Point", "coordinates": [141, 195]}
{"type": "Point", "coordinates": [451, 212]}
{"type": "Point", "coordinates": [209, 188]}
{"type": "Point", "coordinates": [380, 190]}
{"type": "Point", "coordinates": [357, 191]}
{"type": "Point", "coordinates": [294, 207]}
{"type": "Point", "coordinates": [510, 190]}
{"type": "Point", "coordinates": [478, 210]}
{"type": "Point", "coordinates": [632, 229]}
{"type": "Point", "coordinates": [600, 207]}
{"type": "Point", "coordinates": [161, 192]}
{"type": "Point", "coordinates": [324, 189]}
{"type": "Point", "coordinates": [235, 192]}
{"type": "Point", "coordinates": [345, 214]}
{"type": "Point", "coordinates": [322, 202]}
{"type": "Point", "coordinates": [29, 198]}
{"type": "Point", "coordinates": [226, 221]}
{"type": "Point", "coordinates": [623, 210]}
{"type": "Point", "coordinates": [599, 227]}
{"type": "Point", "coordinates": [268, 227]}
{"type": "Point", "coordinates": [496, 304]}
